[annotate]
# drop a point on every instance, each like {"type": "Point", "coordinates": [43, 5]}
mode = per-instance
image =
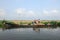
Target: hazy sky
{"type": "Point", "coordinates": [30, 9]}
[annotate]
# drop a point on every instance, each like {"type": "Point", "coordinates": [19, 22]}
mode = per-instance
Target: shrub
{"type": "Point", "coordinates": [4, 21]}
{"type": "Point", "coordinates": [11, 22]}
{"type": "Point", "coordinates": [21, 23]}
{"type": "Point", "coordinates": [1, 24]}
{"type": "Point", "coordinates": [30, 23]}
{"type": "Point", "coordinates": [54, 23]}
{"type": "Point", "coordinates": [45, 23]}
{"type": "Point", "coordinates": [58, 23]}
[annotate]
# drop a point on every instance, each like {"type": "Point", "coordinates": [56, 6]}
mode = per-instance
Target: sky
{"type": "Point", "coordinates": [30, 9]}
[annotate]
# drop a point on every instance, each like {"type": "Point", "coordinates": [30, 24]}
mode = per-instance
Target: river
{"type": "Point", "coordinates": [30, 34]}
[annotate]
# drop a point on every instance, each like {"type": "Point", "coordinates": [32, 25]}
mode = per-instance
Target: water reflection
{"type": "Point", "coordinates": [30, 29]}
{"type": "Point", "coordinates": [24, 29]}
{"type": "Point", "coordinates": [36, 29]}
{"type": "Point", "coordinates": [30, 34]}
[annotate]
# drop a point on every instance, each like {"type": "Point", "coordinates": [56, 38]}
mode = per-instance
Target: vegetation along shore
{"type": "Point", "coordinates": [29, 23]}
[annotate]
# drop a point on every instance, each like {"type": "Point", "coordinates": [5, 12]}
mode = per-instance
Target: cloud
{"type": "Point", "coordinates": [54, 11]}
{"type": "Point", "coordinates": [45, 12]}
{"type": "Point", "coordinates": [2, 14]}
{"type": "Point", "coordinates": [31, 13]}
{"type": "Point", "coordinates": [22, 12]}
{"type": "Point", "coordinates": [51, 14]}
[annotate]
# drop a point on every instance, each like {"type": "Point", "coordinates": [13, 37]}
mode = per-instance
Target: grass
{"type": "Point", "coordinates": [29, 22]}
{"type": "Point", "coordinates": [2, 21]}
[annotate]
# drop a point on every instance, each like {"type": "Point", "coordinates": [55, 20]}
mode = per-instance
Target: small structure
{"type": "Point", "coordinates": [36, 22]}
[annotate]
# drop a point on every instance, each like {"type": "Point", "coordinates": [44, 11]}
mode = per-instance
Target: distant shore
{"type": "Point", "coordinates": [28, 23]}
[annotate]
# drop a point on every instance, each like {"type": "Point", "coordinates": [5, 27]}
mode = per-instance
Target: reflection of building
{"type": "Point", "coordinates": [36, 29]}
{"type": "Point", "coordinates": [36, 22]}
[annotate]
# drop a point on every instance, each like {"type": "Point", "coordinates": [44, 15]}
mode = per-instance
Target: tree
{"type": "Point", "coordinates": [53, 23]}
{"type": "Point", "coordinates": [45, 23]}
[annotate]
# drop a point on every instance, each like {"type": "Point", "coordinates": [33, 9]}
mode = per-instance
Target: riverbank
{"type": "Point", "coordinates": [27, 24]}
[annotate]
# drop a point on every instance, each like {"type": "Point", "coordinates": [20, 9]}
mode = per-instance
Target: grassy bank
{"type": "Point", "coordinates": [1, 25]}
{"type": "Point", "coordinates": [29, 22]}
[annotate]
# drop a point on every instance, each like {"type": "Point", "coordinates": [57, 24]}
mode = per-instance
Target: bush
{"type": "Point", "coordinates": [21, 23]}
{"type": "Point", "coordinates": [54, 23]}
{"type": "Point", "coordinates": [30, 23]}
{"type": "Point", "coordinates": [58, 23]}
{"type": "Point", "coordinates": [1, 24]}
{"type": "Point", "coordinates": [11, 22]}
{"type": "Point", "coordinates": [45, 23]}
{"type": "Point", "coordinates": [3, 21]}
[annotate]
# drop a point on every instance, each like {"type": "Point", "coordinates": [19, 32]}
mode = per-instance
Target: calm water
{"type": "Point", "coordinates": [30, 34]}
